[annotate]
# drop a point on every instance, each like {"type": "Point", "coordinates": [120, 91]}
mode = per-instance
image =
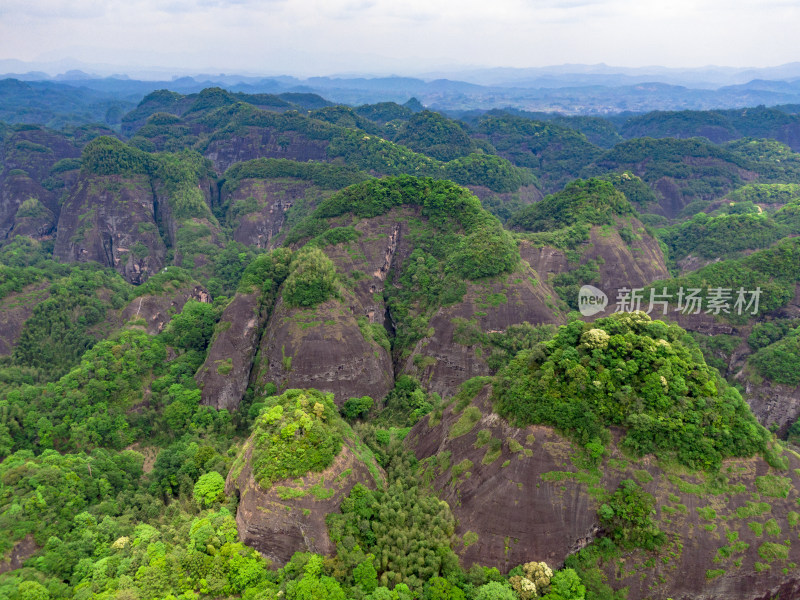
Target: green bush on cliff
{"type": "Point", "coordinates": [484, 248]}
{"type": "Point", "coordinates": [297, 432]}
{"type": "Point", "coordinates": [312, 278]}
{"type": "Point", "coordinates": [780, 362]}
{"type": "Point", "coordinates": [325, 175]}
{"type": "Point", "coordinates": [108, 156]}
{"type": "Point", "coordinates": [592, 201]}
{"type": "Point", "coordinates": [180, 173]}
{"type": "Point", "coordinates": [643, 375]}
{"type": "Point", "coordinates": [775, 271]}
{"type": "Point", "coordinates": [723, 235]}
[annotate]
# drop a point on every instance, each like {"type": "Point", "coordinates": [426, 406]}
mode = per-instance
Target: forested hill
{"type": "Point", "coordinates": [264, 345]}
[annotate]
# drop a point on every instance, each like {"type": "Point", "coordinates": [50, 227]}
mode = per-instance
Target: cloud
{"type": "Point", "coordinates": [53, 9]}
{"type": "Point", "coordinates": [342, 35]}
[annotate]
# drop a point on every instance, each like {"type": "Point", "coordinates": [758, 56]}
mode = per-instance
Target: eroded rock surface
{"type": "Point", "coordinates": [290, 516]}
{"type": "Point", "coordinates": [110, 219]}
{"type": "Point", "coordinates": [225, 373]}
{"type": "Point", "coordinates": [530, 502]}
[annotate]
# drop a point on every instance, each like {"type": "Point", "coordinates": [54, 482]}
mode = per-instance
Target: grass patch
{"type": "Point", "coordinates": [774, 486]}
{"type": "Point", "coordinates": [771, 551]}
{"type": "Point", "coordinates": [707, 513]}
{"type": "Point", "coordinates": [465, 423]}
{"type": "Point", "coordinates": [772, 527]}
{"type": "Point", "coordinates": [753, 509]}
{"type": "Point", "coordinates": [463, 467]}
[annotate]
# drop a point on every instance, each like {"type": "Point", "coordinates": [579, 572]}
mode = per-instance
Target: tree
{"type": "Point", "coordinates": [494, 590]}
{"type": "Point", "coordinates": [312, 279]}
{"type": "Point", "coordinates": [566, 585]}
{"type": "Point", "coordinates": [355, 408]}
{"type": "Point", "coordinates": [32, 590]}
{"type": "Point", "coordinates": [365, 575]}
{"type": "Point", "coordinates": [209, 488]}
{"type": "Point", "coordinates": [438, 588]}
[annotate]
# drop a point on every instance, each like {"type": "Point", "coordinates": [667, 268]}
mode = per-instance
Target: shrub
{"type": "Point", "coordinates": [297, 432]}
{"type": "Point", "coordinates": [312, 279]}
{"type": "Point", "coordinates": [210, 488]}
{"type": "Point", "coordinates": [649, 379]}
{"type": "Point", "coordinates": [355, 408]}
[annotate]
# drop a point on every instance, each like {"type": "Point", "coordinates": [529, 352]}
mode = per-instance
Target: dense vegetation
{"type": "Point", "coordinates": [591, 201]}
{"type": "Point", "coordinates": [643, 375]}
{"type": "Point", "coordinates": [112, 467]}
{"type": "Point", "coordinates": [295, 433]}
{"type": "Point", "coordinates": [554, 153]}
{"type": "Point", "coordinates": [324, 175]}
{"type": "Point", "coordinates": [722, 236]}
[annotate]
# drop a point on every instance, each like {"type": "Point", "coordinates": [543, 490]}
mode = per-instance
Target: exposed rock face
{"type": "Point", "coordinates": [383, 245]}
{"type": "Point", "coordinates": [774, 404]}
{"type": "Point", "coordinates": [15, 309]}
{"type": "Point", "coordinates": [502, 504]}
{"type": "Point", "coordinates": [258, 207]}
{"type": "Point", "coordinates": [110, 220]}
{"type": "Point", "coordinates": [527, 194]}
{"type": "Point", "coordinates": [693, 263]}
{"type": "Point", "coordinates": [14, 191]}
{"type": "Point", "coordinates": [620, 265]}
{"type": "Point", "coordinates": [278, 527]}
{"type": "Point", "coordinates": [324, 348]}
{"type": "Point", "coordinates": [36, 151]}
{"type": "Point", "coordinates": [22, 551]}
{"type": "Point", "coordinates": [443, 364]}
{"type": "Point", "coordinates": [669, 190]}
{"type": "Point", "coordinates": [525, 505]}
{"type": "Point", "coordinates": [156, 310]}
{"type": "Point", "coordinates": [224, 375]}
{"type": "Point", "coordinates": [264, 143]}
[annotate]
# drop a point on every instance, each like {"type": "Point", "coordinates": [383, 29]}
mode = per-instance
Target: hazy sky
{"type": "Point", "coordinates": [400, 36]}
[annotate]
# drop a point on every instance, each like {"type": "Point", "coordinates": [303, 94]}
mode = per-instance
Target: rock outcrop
{"type": "Point", "coordinates": [267, 142]}
{"type": "Point", "coordinates": [277, 524]}
{"type": "Point", "coordinates": [326, 349]}
{"type": "Point", "coordinates": [442, 362]}
{"type": "Point", "coordinates": [156, 310]}
{"type": "Point", "coordinates": [529, 502]}
{"type": "Point", "coordinates": [620, 264]}
{"type": "Point", "coordinates": [23, 208]}
{"type": "Point", "coordinates": [257, 207]}
{"type": "Point", "coordinates": [225, 373]}
{"type": "Point", "coordinates": [775, 405]}
{"type": "Point", "coordinates": [111, 220]}
{"type": "Point", "coordinates": [336, 346]}
{"type": "Point", "coordinates": [284, 516]}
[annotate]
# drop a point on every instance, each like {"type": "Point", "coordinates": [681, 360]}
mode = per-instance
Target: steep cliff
{"type": "Point", "coordinates": [527, 500]}
{"type": "Point", "coordinates": [110, 219]}
{"type": "Point", "coordinates": [715, 523]}
{"type": "Point", "coordinates": [325, 348]}
{"type": "Point", "coordinates": [450, 352]}
{"type": "Point", "coordinates": [295, 468]}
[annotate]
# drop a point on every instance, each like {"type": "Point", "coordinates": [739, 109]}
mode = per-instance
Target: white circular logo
{"type": "Point", "coordinates": [591, 300]}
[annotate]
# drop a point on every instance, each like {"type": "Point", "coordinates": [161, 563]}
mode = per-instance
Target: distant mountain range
{"type": "Point", "coordinates": [87, 93]}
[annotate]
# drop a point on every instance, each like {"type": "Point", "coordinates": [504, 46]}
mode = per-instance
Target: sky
{"type": "Point", "coordinates": [321, 37]}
